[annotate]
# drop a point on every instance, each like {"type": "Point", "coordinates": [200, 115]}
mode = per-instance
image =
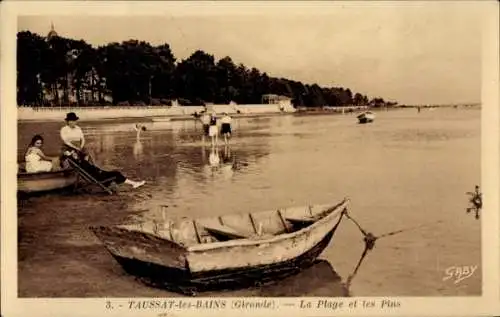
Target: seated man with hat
{"type": "Point", "coordinates": [72, 136]}
{"type": "Point", "coordinates": [73, 149]}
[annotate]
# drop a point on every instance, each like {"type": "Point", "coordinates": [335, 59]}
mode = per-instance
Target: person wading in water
{"type": "Point", "coordinates": [205, 121]}
{"type": "Point", "coordinates": [213, 130]}
{"type": "Point", "coordinates": [225, 129]}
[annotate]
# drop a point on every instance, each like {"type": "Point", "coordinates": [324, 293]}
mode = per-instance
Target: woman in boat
{"type": "Point", "coordinates": [36, 160]}
{"type": "Point", "coordinates": [225, 129]}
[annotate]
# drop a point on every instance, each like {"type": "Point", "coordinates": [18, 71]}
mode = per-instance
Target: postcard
{"type": "Point", "coordinates": [250, 158]}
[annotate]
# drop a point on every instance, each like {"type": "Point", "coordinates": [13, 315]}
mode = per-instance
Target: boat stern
{"type": "Point", "coordinates": [142, 253]}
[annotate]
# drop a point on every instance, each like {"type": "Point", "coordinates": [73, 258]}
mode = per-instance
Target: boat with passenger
{"type": "Point", "coordinates": [44, 181]}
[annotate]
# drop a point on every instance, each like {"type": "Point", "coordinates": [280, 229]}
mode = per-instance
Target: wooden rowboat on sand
{"type": "Point", "coordinates": [232, 250]}
{"type": "Point", "coordinates": [44, 181]}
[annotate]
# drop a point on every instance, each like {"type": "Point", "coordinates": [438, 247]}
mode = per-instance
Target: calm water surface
{"type": "Point", "coordinates": [404, 170]}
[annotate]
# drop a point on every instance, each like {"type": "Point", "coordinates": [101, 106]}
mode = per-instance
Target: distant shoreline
{"type": "Point", "coordinates": [152, 118]}
{"type": "Point", "coordinates": [149, 114]}
{"type": "Point", "coordinates": [471, 105]}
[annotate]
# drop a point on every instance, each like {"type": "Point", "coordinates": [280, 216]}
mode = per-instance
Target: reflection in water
{"type": "Point", "coordinates": [219, 162]}
{"type": "Point", "coordinates": [138, 150]}
{"type": "Point", "coordinates": [99, 147]}
{"type": "Point", "coordinates": [213, 158]}
{"type": "Point", "coordinates": [318, 280]}
{"type": "Point", "coordinates": [228, 163]}
{"type": "Point", "coordinates": [196, 156]}
{"type": "Point", "coordinates": [138, 144]}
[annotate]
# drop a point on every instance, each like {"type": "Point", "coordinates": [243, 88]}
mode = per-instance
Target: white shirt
{"type": "Point", "coordinates": [226, 119]}
{"type": "Point", "coordinates": [72, 135]}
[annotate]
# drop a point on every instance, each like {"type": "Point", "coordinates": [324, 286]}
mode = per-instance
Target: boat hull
{"type": "Point", "coordinates": [45, 181]}
{"type": "Point", "coordinates": [183, 281]}
{"type": "Point", "coordinates": [157, 256]}
{"type": "Point", "coordinates": [366, 118]}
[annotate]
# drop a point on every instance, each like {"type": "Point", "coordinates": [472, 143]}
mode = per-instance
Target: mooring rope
{"type": "Point", "coordinates": [370, 239]}
{"type": "Point", "coordinates": [408, 229]}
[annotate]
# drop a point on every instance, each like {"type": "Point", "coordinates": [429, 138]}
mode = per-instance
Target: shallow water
{"type": "Point", "coordinates": [404, 170]}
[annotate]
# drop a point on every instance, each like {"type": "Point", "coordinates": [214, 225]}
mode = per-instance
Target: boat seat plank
{"type": "Point", "coordinates": [226, 231]}
{"type": "Point", "coordinates": [184, 232]}
{"type": "Point", "coordinates": [317, 210]}
{"type": "Point", "coordinates": [270, 222]}
{"type": "Point", "coordinates": [284, 222]}
{"type": "Point", "coordinates": [202, 223]}
{"type": "Point", "coordinates": [303, 213]}
{"type": "Point", "coordinates": [301, 220]}
{"type": "Point", "coordinates": [240, 222]}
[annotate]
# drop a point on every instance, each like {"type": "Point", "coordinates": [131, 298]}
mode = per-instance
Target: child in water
{"type": "Point", "coordinates": [212, 130]}
{"type": "Point", "coordinates": [226, 127]}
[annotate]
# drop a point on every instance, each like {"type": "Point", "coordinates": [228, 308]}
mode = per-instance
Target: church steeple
{"type": "Point", "coordinates": [52, 32]}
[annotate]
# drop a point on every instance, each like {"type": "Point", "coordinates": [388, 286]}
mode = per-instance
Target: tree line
{"type": "Point", "coordinates": [50, 70]}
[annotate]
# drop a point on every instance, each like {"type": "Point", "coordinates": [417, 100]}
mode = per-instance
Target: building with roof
{"type": "Point", "coordinates": [274, 99]}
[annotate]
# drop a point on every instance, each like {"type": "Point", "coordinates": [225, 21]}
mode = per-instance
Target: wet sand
{"type": "Point", "coordinates": [403, 170]}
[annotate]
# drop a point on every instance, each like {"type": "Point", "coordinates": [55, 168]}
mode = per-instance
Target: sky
{"type": "Point", "coordinates": [410, 53]}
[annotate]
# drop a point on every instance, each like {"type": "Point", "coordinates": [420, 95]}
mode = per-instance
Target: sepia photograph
{"type": "Point", "coordinates": [327, 151]}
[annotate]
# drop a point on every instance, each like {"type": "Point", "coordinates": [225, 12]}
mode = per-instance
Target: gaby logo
{"type": "Point", "coordinates": [459, 273]}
